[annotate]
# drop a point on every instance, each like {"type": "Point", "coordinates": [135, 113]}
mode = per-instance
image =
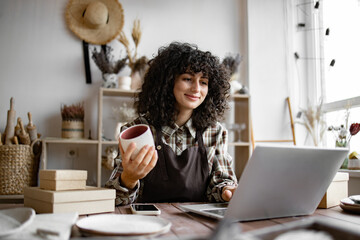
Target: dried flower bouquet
{"type": "Point", "coordinates": [74, 112]}
{"type": "Point", "coordinates": [313, 121]}
{"type": "Point", "coordinates": [104, 60]}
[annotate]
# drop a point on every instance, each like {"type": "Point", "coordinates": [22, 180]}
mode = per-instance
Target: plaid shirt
{"type": "Point", "coordinates": [180, 138]}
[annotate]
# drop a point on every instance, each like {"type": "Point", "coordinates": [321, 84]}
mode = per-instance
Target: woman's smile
{"type": "Point", "coordinates": [192, 97]}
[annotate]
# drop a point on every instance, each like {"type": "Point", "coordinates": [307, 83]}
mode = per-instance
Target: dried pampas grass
{"type": "Point", "coordinates": [313, 121]}
{"type": "Point", "coordinates": [136, 32]}
{"type": "Point", "coordinates": [136, 37]}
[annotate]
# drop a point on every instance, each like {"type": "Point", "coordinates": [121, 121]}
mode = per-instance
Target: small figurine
{"type": "Point", "coordinates": [108, 160]}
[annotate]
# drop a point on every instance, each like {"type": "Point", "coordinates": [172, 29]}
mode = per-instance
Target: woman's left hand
{"type": "Point", "coordinates": [228, 192]}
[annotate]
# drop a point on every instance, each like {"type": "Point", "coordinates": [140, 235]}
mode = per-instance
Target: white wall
{"type": "Point", "coordinates": [267, 70]}
{"type": "Point", "coordinates": [41, 61]}
{"type": "Point", "coordinates": [274, 74]}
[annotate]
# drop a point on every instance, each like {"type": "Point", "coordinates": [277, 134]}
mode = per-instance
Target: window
{"type": "Point", "coordinates": [339, 24]}
{"type": "Point", "coordinates": [341, 20]}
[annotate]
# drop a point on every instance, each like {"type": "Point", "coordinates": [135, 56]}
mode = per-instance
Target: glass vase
{"type": "Point", "coordinates": [343, 143]}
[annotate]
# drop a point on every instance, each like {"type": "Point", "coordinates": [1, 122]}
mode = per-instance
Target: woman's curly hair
{"type": "Point", "coordinates": [156, 101]}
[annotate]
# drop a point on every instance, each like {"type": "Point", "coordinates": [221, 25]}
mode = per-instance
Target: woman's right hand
{"type": "Point", "coordinates": [138, 168]}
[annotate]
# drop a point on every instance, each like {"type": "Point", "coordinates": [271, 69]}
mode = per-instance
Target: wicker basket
{"type": "Point", "coordinates": [72, 129]}
{"type": "Point", "coordinates": [18, 168]}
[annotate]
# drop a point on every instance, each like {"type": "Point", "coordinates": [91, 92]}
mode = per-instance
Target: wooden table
{"type": "Point", "coordinates": [186, 225]}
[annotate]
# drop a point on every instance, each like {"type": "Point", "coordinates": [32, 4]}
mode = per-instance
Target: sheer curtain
{"type": "Point", "coordinates": [340, 26]}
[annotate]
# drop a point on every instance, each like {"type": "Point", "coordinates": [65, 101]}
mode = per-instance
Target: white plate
{"type": "Point", "coordinates": [123, 224]}
{"type": "Point", "coordinates": [14, 220]}
{"type": "Point", "coordinates": [350, 202]}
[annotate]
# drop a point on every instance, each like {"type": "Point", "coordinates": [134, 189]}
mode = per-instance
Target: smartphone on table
{"type": "Point", "coordinates": [145, 209]}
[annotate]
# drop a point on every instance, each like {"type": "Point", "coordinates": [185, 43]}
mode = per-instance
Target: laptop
{"type": "Point", "coordinates": [278, 181]}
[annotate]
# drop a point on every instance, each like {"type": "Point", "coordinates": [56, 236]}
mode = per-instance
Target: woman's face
{"type": "Point", "coordinates": [190, 90]}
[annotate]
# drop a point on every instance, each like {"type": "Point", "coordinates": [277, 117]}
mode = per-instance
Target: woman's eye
{"type": "Point", "coordinates": [187, 79]}
{"type": "Point", "coordinates": [204, 83]}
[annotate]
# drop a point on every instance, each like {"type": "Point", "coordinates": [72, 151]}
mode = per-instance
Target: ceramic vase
{"type": "Point", "coordinates": [136, 80]}
{"type": "Point", "coordinates": [124, 83]}
{"type": "Point", "coordinates": [110, 80]}
{"type": "Point", "coordinates": [343, 144]}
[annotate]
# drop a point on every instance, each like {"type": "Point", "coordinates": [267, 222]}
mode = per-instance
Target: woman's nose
{"type": "Point", "coordinates": [196, 86]}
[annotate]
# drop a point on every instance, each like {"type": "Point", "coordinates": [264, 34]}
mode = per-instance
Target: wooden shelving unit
{"type": "Point", "coordinates": [242, 148]}
{"type": "Point", "coordinates": [106, 92]}
{"type": "Point", "coordinates": [46, 141]}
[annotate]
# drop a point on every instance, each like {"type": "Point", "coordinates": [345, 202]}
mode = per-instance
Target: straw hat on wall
{"type": "Point", "coordinates": [95, 21]}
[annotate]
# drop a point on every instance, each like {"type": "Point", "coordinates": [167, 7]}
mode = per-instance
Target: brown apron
{"type": "Point", "coordinates": [177, 178]}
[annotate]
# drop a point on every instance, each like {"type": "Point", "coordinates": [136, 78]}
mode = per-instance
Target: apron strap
{"type": "Point", "coordinates": [200, 141]}
{"type": "Point", "coordinates": [161, 161]}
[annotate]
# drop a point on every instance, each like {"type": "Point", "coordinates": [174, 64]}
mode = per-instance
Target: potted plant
{"type": "Point", "coordinates": [342, 139]}
{"type": "Point", "coordinates": [72, 120]}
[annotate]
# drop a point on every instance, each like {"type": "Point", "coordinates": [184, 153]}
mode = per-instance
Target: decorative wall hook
{"type": "Point", "coordinates": [327, 32]}
{"type": "Point", "coordinates": [296, 55]}
{"type": "Point", "coordinates": [332, 63]}
{"type": "Point", "coordinates": [301, 25]}
{"type": "Point", "coordinates": [317, 4]}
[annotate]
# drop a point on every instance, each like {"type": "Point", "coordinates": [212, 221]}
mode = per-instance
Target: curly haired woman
{"type": "Point", "coordinates": [183, 97]}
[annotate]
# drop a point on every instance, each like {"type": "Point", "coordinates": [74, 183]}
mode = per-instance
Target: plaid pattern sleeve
{"type": "Point", "coordinates": [220, 162]}
{"type": "Point", "coordinates": [124, 196]}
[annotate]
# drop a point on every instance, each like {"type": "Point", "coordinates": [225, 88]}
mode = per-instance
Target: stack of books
{"type": "Point", "coordinates": [62, 191]}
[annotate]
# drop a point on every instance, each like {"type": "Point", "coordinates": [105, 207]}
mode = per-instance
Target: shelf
{"type": "Point", "coordinates": [64, 140]}
{"type": "Point", "coordinates": [11, 198]}
{"type": "Point", "coordinates": [54, 140]}
{"type": "Point", "coordinates": [239, 96]}
{"type": "Point", "coordinates": [112, 92]}
{"type": "Point", "coordinates": [109, 142]}
{"type": "Point", "coordinates": [352, 173]}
